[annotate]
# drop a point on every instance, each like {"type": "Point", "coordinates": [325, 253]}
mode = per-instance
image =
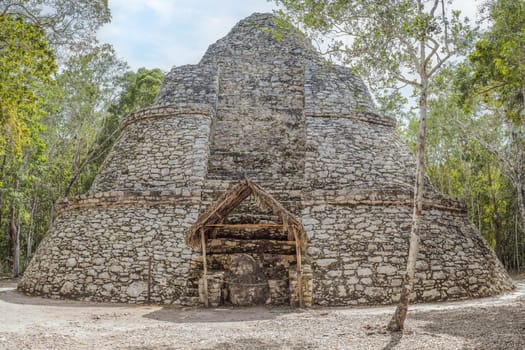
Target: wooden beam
{"type": "Point", "coordinates": [222, 261]}
{"type": "Point", "coordinates": [226, 245]}
{"type": "Point", "coordinates": [274, 233]}
{"type": "Point", "coordinates": [299, 266]}
{"type": "Point", "coordinates": [244, 226]}
{"type": "Point", "coordinates": [205, 268]}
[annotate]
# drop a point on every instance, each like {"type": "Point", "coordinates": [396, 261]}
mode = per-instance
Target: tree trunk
{"type": "Point", "coordinates": [495, 217]}
{"type": "Point", "coordinates": [519, 181]}
{"type": "Point", "coordinates": [29, 239]}
{"type": "Point", "coordinates": [517, 251]}
{"type": "Point", "coordinates": [52, 206]}
{"type": "Point", "coordinates": [76, 163]}
{"type": "Point", "coordinates": [520, 190]}
{"type": "Point", "coordinates": [14, 235]}
{"type": "Point", "coordinates": [398, 319]}
{"type": "Point", "coordinates": [521, 206]}
{"type": "Point", "coordinates": [2, 166]}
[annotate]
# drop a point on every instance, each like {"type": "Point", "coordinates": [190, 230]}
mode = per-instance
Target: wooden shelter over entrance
{"type": "Point", "coordinates": [251, 263]}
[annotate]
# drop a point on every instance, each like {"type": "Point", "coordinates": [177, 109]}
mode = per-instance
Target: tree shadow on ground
{"type": "Point", "coordinates": [395, 339]}
{"type": "Point", "coordinates": [221, 314]}
{"type": "Point", "coordinates": [13, 296]}
{"type": "Point", "coordinates": [175, 314]}
{"type": "Point", "coordinates": [495, 328]}
{"type": "Point", "coordinates": [246, 344]}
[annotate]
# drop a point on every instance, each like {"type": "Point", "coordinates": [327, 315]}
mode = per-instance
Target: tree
{"type": "Point", "coordinates": [392, 42]}
{"type": "Point", "coordinates": [34, 34]}
{"type": "Point", "coordinates": [138, 90]}
{"type": "Point", "coordinates": [460, 164]}
{"type": "Point", "coordinates": [497, 80]}
{"type": "Point", "coordinates": [68, 24]}
{"type": "Point", "coordinates": [88, 85]}
{"type": "Point", "coordinates": [26, 66]}
{"type": "Point", "coordinates": [26, 69]}
{"type": "Point", "coordinates": [79, 125]}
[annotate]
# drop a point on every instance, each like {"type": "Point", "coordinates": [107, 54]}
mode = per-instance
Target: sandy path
{"type": "Point", "coordinates": [37, 323]}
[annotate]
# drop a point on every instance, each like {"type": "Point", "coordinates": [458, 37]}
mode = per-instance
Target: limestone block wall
{"type": "Point", "coordinates": [259, 126]}
{"type": "Point", "coordinates": [305, 131]}
{"type": "Point", "coordinates": [358, 254]}
{"type": "Point", "coordinates": [252, 38]}
{"type": "Point", "coordinates": [189, 84]}
{"type": "Point", "coordinates": [347, 155]}
{"type": "Point", "coordinates": [357, 210]}
{"type": "Point", "coordinates": [111, 246]}
{"type": "Point", "coordinates": [269, 146]}
{"type": "Point", "coordinates": [333, 90]}
{"type": "Point", "coordinates": [159, 149]}
{"type": "Point", "coordinates": [260, 135]}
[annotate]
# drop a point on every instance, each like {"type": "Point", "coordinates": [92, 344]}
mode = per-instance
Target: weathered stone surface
{"type": "Point", "coordinates": [332, 90]}
{"type": "Point", "coordinates": [190, 84]}
{"type": "Point", "coordinates": [136, 288]}
{"type": "Point", "coordinates": [306, 131]}
{"type": "Point", "coordinates": [67, 289]}
{"type": "Point", "coordinates": [71, 262]}
{"type": "Point", "coordinates": [247, 284]}
{"type": "Point", "coordinates": [129, 256]}
{"type": "Point", "coordinates": [167, 152]}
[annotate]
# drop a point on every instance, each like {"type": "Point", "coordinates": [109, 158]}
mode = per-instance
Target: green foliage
{"type": "Point", "coordinates": [87, 86]}
{"type": "Point", "coordinates": [26, 68]}
{"type": "Point", "coordinates": [52, 123]}
{"type": "Point", "coordinates": [460, 166]}
{"type": "Point", "coordinates": [382, 39]}
{"type": "Point", "coordinates": [138, 90]}
{"type": "Point", "coordinates": [468, 155]}
{"type": "Point", "coordinates": [494, 81]}
{"type": "Point", "coordinates": [498, 61]}
{"type": "Point", "coordinates": [68, 25]}
{"type": "Point", "coordinates": [475, 145]}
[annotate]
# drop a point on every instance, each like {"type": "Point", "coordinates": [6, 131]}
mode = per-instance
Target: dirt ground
{"type": "Point", "coordinates": [38, 323]}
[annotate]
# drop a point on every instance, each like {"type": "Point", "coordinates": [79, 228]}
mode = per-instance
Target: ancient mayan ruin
{"type": "Point", "coordinates": [261, 175]}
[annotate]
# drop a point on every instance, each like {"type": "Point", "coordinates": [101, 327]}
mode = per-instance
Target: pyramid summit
{"type": "Point", "coordinates": [262, 174]}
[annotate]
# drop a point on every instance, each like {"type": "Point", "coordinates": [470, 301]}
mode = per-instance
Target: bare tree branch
{"type": "Point", "coordinates": [445, 22]}
{"type": "Point", "coordinates": [431, 54]}
{"type": "Point", "coordinates": [438, 65]}
{"type": "Point", "coordinates": [490, 148]}
{"type": "Point", "coordinates": [412, 53]}
{"type": "Point", "coordinates": [433, 10]}
{"type": "Point", "coordinates": [407, 81]}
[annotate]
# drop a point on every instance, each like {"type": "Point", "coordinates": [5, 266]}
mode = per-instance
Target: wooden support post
{"type": "Point", "coordinates": [149, 278]}
{"type": "Point", "coordinates": [299, 267]}
{"type": "Point", "coordinates": [205, 268]}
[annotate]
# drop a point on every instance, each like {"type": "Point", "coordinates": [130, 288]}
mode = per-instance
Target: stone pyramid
{"type": "Point", "coordinates": [305, 131]}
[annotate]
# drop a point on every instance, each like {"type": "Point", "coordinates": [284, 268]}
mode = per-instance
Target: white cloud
{"type": "Point", "coordinates": [163, 33]}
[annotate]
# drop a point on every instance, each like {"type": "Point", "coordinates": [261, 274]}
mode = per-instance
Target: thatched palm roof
{"type": "Point", "coordinates": [218, 211]}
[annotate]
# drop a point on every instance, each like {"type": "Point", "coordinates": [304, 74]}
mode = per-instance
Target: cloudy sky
{"type": "Point", "coordinates": [163, 33]}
